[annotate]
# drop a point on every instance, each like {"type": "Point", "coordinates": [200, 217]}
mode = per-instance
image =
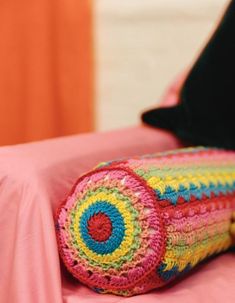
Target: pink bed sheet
{"type": "Point", "coordinates": [34, 178]}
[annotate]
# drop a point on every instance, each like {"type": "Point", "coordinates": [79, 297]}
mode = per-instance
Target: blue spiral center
{"type": "Point", "coordinates": [118, 228]}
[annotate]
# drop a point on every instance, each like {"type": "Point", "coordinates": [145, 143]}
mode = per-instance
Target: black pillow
{"type": "Point", "coordinates": [205, 114]}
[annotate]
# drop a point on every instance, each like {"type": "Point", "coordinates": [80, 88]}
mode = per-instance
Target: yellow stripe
{"type": "Point", "coordinates": [174, 182]}
{"type": "Point", "coordinates": [197, 253]}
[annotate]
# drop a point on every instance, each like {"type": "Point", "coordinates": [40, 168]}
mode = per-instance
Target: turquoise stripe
{"type": "Point", "coordinates": [172, 195]}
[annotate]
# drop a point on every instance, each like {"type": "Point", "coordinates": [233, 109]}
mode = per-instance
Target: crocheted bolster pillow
{"type": "Point", "coordinates": [136, 224]}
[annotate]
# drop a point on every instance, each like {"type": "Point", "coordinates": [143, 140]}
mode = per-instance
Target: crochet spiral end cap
{"type": "Point", "coordinates": [110, 232]}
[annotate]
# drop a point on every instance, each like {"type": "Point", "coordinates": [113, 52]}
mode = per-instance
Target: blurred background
{"type": "Point", "coordinates": [74, 66]}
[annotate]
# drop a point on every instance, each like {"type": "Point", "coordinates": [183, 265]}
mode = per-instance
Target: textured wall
{"type": "Point", "coordinates": [140, 47]}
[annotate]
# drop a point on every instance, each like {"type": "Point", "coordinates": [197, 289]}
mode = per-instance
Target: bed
{"type": "Point", "coordinates": [35, 178]}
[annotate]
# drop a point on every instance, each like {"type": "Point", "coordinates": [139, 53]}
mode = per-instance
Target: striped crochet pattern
{"type": "Point", "coordinates": [136, 224]}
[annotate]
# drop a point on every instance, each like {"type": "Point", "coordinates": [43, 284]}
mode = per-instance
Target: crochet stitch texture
{"type": "Point", "coordinates": [136, 224]}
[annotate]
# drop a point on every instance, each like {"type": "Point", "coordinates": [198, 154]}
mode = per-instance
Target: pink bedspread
{"type": "Point", "coordinates": [34, 179]}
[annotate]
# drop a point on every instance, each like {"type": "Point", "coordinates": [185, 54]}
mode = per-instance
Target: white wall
{"type": "Point", "coordinates": [141, 45]}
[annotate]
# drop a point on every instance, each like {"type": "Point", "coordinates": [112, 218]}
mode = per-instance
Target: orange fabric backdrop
{"type": "Point", "coordinates": [46, 69]}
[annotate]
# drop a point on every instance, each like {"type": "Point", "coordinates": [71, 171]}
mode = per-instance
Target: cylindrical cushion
{"type": "Point", "coordinates": [136, 224]}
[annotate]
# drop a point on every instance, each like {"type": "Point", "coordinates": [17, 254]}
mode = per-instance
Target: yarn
{"type": "Point", "coordinates": [136, 224]}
